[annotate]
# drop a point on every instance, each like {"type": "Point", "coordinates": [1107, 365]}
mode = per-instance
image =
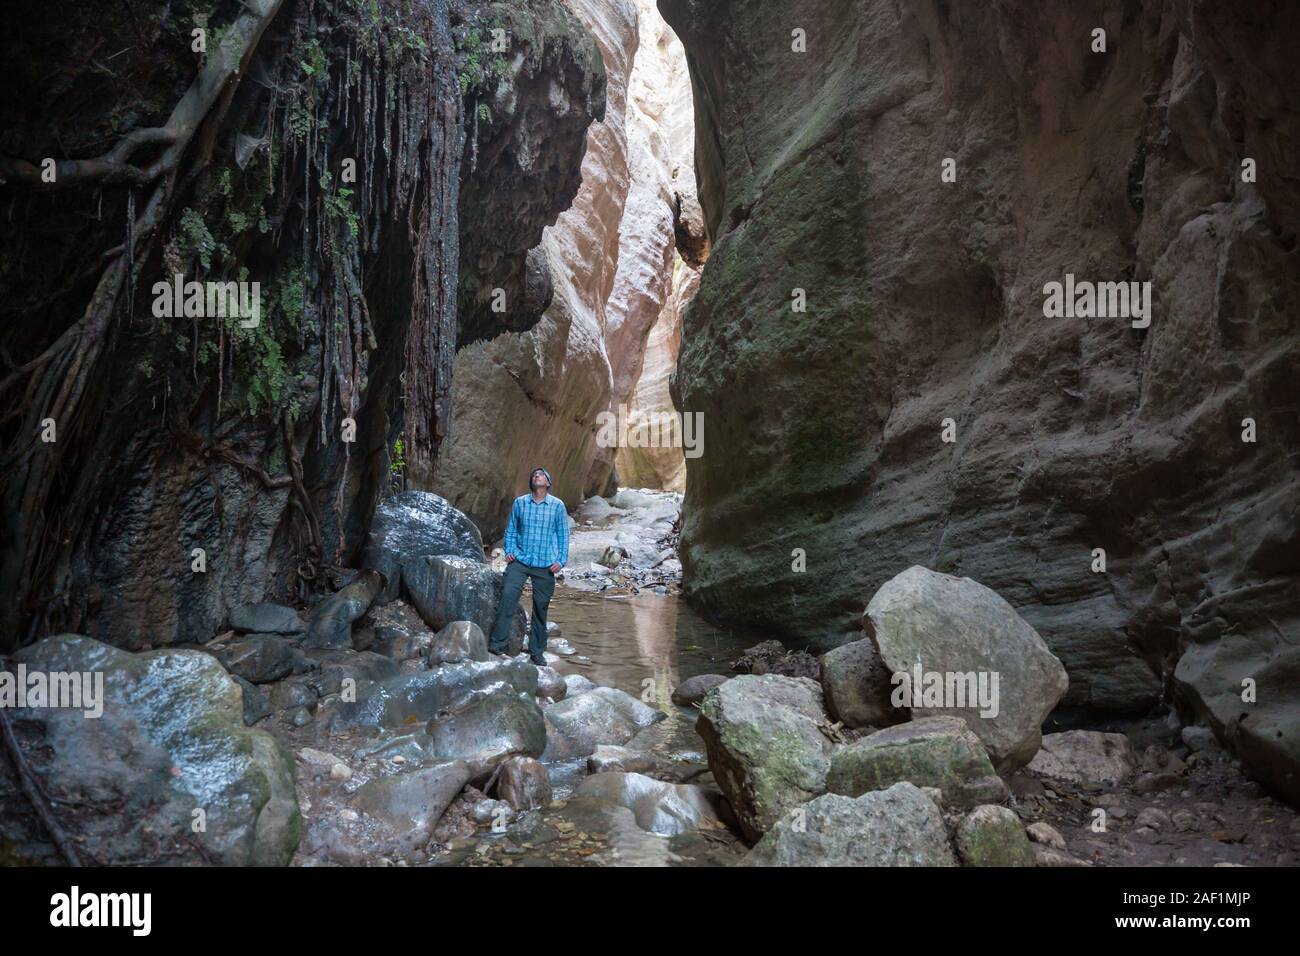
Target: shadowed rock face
{"type": "Point", "coordinates": [224, 439]}
{"type": "Point", "coordinates": [821, 171]}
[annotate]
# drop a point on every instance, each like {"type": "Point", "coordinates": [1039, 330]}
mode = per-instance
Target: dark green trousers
{"type": "Point", "coordinates": [543, 587]}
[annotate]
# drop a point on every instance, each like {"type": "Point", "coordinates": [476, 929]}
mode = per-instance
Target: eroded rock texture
{"type": "Point", "coordinates": [533, 398]}
{"type": "Point", "coordinates": [821, 171]}
{"type": "Point", "coordinates": [179, 432]}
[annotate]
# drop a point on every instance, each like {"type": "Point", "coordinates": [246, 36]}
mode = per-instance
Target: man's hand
{"type": "Point", "coordinates": [510, 558]}
{"type": "Point", "coordinates": [555, 568]}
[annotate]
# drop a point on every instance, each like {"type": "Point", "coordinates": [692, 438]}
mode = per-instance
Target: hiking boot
{"type": "Point", "coordinates": [539, 661]}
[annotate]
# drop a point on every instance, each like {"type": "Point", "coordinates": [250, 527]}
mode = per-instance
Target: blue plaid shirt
{"type": "Point", "coordinates": [538, 531]}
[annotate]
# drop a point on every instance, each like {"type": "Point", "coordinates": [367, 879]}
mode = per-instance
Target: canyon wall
{"type": "Point", "coordinates": [521, 400]}
{"type": "Point", "coordinates": [360, 163]}
{"type": "Point", "coordinates": [822, 171]}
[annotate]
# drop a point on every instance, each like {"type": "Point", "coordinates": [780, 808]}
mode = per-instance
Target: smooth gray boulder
{"type": "Point", "coordinates": [404, 700]}
{"type": "Point", "coordinates": [446, 588]}
{"type": "Point", "coordinates": [939, 752]}
{"type": "Point", "coordinates": [765, 745]}
{"type": "Point", "coordinates": [486, 728]}
{"type": "Point", "coordinates": [458, 641]}
{"type": "Point", "coordinates": [691, 691]}
{"type": "Point", "coordinates": [666, 809]}
{"type": "Point", "coordinates": [953, 627]}
{"type": "Point", "coordinates": [900, 826]}
{"type": "Point", "coordinates": [1085, 757]}
{"type": "Point", "coordinates": [576, 684]}
{"type": "Point", "coordinates": [577, 725]}
{"type": "Point", "coordinates": [857, 687]}
{"type": "Point", "coordinates": [410, 803]}
{"type": "Point", "coordinates": [993, 836]}
{"type": "Point", "coordinates": [170, 740]}
{"type": "Point", "coordinates": [266, 618]}
{"type": "Point", "coordinates": [412, 525]}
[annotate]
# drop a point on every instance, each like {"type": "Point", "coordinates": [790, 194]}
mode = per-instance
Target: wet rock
{"type": "Point", "coordinates": [485, 728]}
{"type": "Point", "coordinates": [494, 813]}
{"type": "Point", "coordinates": [993, 836]}
{"type": "Point", "coordinates": [524, 784]}
{"type": "Point", "coordinates": [1045, 834]}
{"type": "Point", "coordinates": [765, 746]}
{"type": "Point", "coordinates": [691, 691]}
{"type": "Point", "coordinates": [410, 803]}
{"type": "Point", "coordinates": [412, 525]}
{"type": "Point", "coordinates": [320, 763]}
{"type": "Point", "coordinates": [576, 684]}
{"type": "Point", "coordinates": [267, 618]}
{"type": "Point", "coordinates": [611, 759]}
{"type": "Point", "coordinates": [551, 684]}
{"type": "Point", "coordinates": [336, 670]}
{"type": "Point", "coordinates": [458, 641]}
{"type": "Point", "coordinates": [951, 625]}
{"type": "Point", "coordinates": [772, 657]}
{"type": "Point", "coordinates": [577, 725]}
{"type": "Point", "coordinates": [1084, 757]}
{"type": "Point", "coordinates": [329, 623]}
{"type": "Point", "coordinates": [258, 658]}
{"type": "Point", "coordinates": [857, 686]}
{"type": "Point", "coordinates": [400, 634]}
{"type": "Point", "coordinates": [936, 752]}
{"type": "Point", "coordinates": [666, 809]}
{"type": "Point", "coordinates": [446, 588]}
{"type": "Point", "coordinates": [171, 739]}
{"type": "Point", "coordinates": [413, 699]}
{"type": "Point", "coordinates": [895, 827]}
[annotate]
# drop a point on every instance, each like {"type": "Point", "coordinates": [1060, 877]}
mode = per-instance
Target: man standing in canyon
{"type": "Point", "coordinates": [537, 547]}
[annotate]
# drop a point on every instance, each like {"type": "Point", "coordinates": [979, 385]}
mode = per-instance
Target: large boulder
{"type": "Point", "coordinates": [487, 728]}
{"type": "Point", "coordinates": [668, 809]}
{"type": "Point", "coordinates": [409, 804]}
{"type": "Point", "coordinates": [1085, 757]}
{"type": "Point", "coordinates": [578, 724]}
{"type": "Point", "coordinates": [993, 836]}
{"type": "Point", "coordinates": [170, 741]}
{"type": "Point", "coordinates": [857, 686]}
{"type": "Point", "coordinates": [413, 525]}
{"type": "Point", "coordinates": [765, 745]}
{"type": "Point", "coordinates": [446, 588]}
{"type": "Point", "coordinates": [900, 826]}
{"type": "Point", "coordinates": [938, 752]}
{"type": "Point", "coordinates": [406, 700]}
{"type": "Point", "coordinates": [946, 627]}
{"type": "Point", "coordinates": [1264, 730]}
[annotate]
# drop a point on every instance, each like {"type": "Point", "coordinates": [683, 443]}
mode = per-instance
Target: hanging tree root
{"type": "Point", "coordinates": [74, 358]}
{"type": "Point", "coordinates": [31, 788]}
